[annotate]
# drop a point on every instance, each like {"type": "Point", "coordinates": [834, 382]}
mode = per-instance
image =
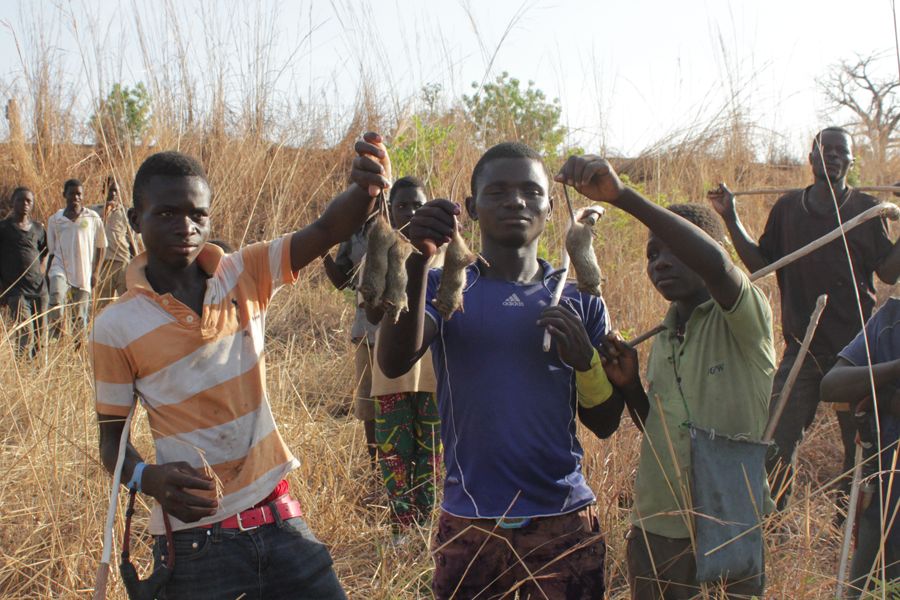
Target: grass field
{"type": "Point", "coordinates": [53, 490]}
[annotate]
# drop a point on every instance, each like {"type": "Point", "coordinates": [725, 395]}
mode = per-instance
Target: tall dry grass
{"type": "Point", "coordinates": [272, 169]}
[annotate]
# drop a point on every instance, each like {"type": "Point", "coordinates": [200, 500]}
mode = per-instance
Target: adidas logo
{"type": "Point", "coordinates": [513, 300]}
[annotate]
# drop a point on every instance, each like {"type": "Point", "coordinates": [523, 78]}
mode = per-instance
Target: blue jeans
{"type": "Point", "coordinates": [281, 560]}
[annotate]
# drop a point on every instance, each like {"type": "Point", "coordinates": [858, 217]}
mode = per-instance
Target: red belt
{"type": "Point", "coordinates": [287, 508]}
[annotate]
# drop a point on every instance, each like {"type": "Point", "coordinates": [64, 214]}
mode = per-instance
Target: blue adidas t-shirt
{"type": "Point", "coordinates": [883, 332]}
{"type": "Point", "coordinates": [508, 408]}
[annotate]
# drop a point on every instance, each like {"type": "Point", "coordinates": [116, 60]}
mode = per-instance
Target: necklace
{"type": "Point", "coordinates": [840, 203]}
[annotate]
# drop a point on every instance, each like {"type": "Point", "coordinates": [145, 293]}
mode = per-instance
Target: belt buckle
{"type": "Point", "coordinates": [240, 524]}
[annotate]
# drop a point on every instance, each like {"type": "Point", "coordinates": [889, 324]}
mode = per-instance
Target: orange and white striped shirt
{"type": "Point", "coordinates": [202, 379]}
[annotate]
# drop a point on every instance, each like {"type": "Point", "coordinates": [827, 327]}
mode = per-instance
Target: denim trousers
{"type": "Point", "coordinates": [280, 560]}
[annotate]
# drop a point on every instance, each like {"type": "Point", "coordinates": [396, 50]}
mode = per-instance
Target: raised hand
{"type": "Point", "coordinates": [372, 167]}
{"type": "Point", "coordinates": [432, 226]}
{"type": "Point", "coordinates": [722, 201]}
{"type": "Point", "coordinates": [593, 177]}
{"type": "Point", "coordinates": [169, 482]}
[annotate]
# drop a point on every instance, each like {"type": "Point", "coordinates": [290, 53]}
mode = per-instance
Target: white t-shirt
{"type": "Point", "coordinates": [72, 244]}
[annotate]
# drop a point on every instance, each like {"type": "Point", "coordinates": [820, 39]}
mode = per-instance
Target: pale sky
{"type": "Point", "coordinates": [627, 72]}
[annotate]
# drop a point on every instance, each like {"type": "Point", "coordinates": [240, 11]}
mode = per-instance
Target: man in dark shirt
{"type": "Point", "coordinates": [798, 218]}
{"type": "Point", "coordinates": [23, 256]}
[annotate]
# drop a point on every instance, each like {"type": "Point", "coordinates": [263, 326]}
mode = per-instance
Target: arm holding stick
{"type": "Point", "coordinates": [722, 201]}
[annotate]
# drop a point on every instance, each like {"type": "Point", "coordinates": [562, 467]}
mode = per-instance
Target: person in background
{"type": "Point", "coordinates": [796, 219]}
{"type": "Point", "coordinates": [121, 247]}
{"type": "Point", "coordinates": [877, 555]}
{"type": "Point", "coordinates": [76, 241]}
{"type": "Point", "coordinates": [407, 422]}
{"type": "Point", "coordinates": [344, 270]}
{"type": "Point", "coordinates": [23, 258]}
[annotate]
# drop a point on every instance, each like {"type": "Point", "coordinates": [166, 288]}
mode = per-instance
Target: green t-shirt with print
{"type": "Point", "coordinates": [719, 378]}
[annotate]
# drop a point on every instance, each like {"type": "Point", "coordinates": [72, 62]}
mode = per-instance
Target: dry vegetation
{"type": "Point", "coordinates": [53, 490]}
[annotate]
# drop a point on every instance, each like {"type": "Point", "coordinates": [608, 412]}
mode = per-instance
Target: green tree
{"type": "Point", "coordinates": [503, 110]}
{"type": "Point", "coordinates": [123, 116]}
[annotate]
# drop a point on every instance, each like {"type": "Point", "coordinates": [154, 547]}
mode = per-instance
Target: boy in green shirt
{"type": "Point", "coordinates": [711, 366]}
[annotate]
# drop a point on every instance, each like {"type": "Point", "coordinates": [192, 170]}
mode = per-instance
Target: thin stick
{"type": "Point", "coordinates": [849, 522]}
{"type": "Point", "coordinates": [103, 567]}
{"type": "Point", "coordinates": [569, 204]}
{"type": "Point", "coordinates": [795, 368]}
{"type": "Point", "coordinates": [646, 335]}
{"type": "Point", "coordinates": [865, 188]}
{"type": "Point", "coordinates": [564, 269]}
{"type": "Point", "coordinates": [885, 210]}
{"type": "Point", "coordinates": [557, 293]}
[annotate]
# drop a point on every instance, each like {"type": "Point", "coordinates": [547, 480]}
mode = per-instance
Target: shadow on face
{"type": "Point", "coordinates": [671, 277]}
{"type": "Point", "coordinates": [404, 204]}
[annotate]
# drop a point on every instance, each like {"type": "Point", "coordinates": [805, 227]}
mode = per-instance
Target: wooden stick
{"type": "Point", "coordinates": [850, 521]}
{"type": "Point", "coordinates": [795, 369]}
{"type": "Point", "coordinates": [779, 191]}
{"type": "Point", "coordinates": [557, 293]}
{"type": "Point", "coordinates": [889, 211]}
{"type": "Point", "coordinates": [103, 568]}
{"type": "Point", "coordinates": [886, 210]}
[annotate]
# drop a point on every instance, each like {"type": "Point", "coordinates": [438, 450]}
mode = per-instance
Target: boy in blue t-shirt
{"type": "Point", "coordinates": [514, 515]}
{"type": "Point", "coordinates": [849, 381]}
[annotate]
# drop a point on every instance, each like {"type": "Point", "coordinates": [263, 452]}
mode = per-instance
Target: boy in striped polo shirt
{"type": "Point", "coordinates": [187, 338]}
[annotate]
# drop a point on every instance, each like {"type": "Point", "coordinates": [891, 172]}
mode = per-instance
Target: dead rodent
{"type": "Point", "coordinates": [580, 246]}
{"type": "Point", "coordinates": [449, 296]}
{"type": "Point", "coordinates": [381, 238]}
{"type": "Point", "coordinates": [394, 299]}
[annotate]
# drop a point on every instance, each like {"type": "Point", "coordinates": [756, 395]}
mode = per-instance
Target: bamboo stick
{"type": "Point", "coordinates": [885, 210]}
{"type": "Point", "coordinates": [100, 581]}
{"type": "Point", "coordinates": [795, 369]}
{"type": "Point", "coordinates": [849, 522]}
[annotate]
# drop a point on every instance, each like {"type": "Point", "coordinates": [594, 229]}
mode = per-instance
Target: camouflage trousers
{"type": "Point", "coordinates": [552, 558]}
{"type": "Point", "coordinates": [407, 431]}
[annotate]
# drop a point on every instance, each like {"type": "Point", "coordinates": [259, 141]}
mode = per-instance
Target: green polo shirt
{"type": "Point", "coordinates": [719, 378]}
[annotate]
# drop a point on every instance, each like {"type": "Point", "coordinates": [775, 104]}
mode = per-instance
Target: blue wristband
{"type": "Point", "coordinates": [136, 475]}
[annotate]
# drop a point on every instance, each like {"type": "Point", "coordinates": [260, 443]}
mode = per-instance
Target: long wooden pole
{"type": "Point", "coordinates": [100, 581]}
{"type": "Point", "coordinates": [769, 433]}
{"type": "Point", "coordinates": [779, 191]}
{"type": "Point", "coordinates": [849, 523]}
{"type": "Point", "coordinates": [885, 210]}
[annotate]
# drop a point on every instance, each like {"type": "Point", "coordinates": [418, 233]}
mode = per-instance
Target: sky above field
{"type": "Point", "coordinates": [627, 73]}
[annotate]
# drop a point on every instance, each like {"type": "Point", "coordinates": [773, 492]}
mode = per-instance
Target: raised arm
{"type": "Point", "coordinates": [722, 201]}
{"type": "Point", "coordinates": [347, 212]}
{"type": "Point", "coordinates": [595, 178]}
{"type": "Point", "coordinates": [401, 344]}
{"type": "Point", "coordinates": [337, 269]}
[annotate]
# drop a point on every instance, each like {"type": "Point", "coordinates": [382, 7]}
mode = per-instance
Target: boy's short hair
{"type": "Point", "coordinates": [406, 183]}
{"type": "Point", "coordinates": [835, 129]}
{"type": "Point", "coordinates": [503, 150]}
{"type": "Point", "coordinates": [19, 190]}
{"type": "Point", "coordinates": [165, 164]}
{"type": "Point", "coordinates": [71, 183]}
{"type": "Point", "coordinates": [703, 217]}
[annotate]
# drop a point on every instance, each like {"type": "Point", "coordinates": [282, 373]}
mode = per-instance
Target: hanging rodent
{"type": "Point", "coordinates": [449, 296]}
{"type": "Point", "coordinates": [580, 246]}
{"type": "Point", "coordinates": [374, 275]}
{"type": "Point", "coordinates": [394, 300]}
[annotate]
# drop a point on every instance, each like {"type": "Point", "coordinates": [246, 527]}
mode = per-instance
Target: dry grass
{"type": "Point", "coordinates": [53, 490]}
